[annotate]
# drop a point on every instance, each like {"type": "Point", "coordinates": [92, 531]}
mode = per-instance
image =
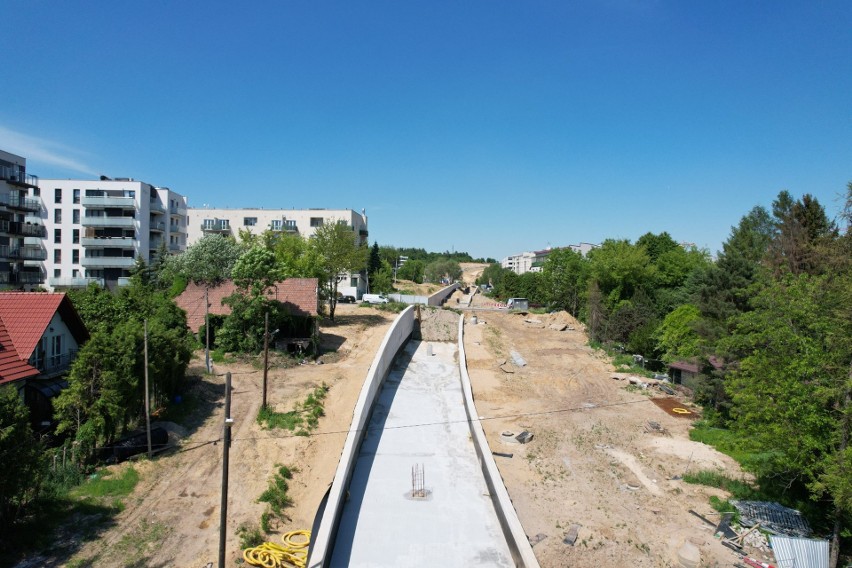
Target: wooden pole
{"type": "Point", "coordinates": [226, 446]}
{"type": "Point", "coordinates": [265, 355]}
{"type": "Point", "coordinates": [207, 329]}
{"type": "Point", "coordinates": [147, 401]}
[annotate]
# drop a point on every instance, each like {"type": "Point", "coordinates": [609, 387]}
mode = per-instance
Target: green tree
{"type": "Point", "coordinates": [338, 254]}
{"type": "Point", "coordinates": [207, 261]}
{"type": "Point", "coordinates": [677, 337]}
{"type": "Point", "coordinates": [374, 264]}
{"type": "Point", "coordinates": [412, 270]}
{"type": "Point", "coordinates": [21, 456]}
{"type": "Point", "coordinates": [437, 270]}
{"type": "Point", "coordinates": [620, 269]}
{"type": "Point", "coordinates": [566, 275]}
{"type": "Point", "coordinates": [381, 281]}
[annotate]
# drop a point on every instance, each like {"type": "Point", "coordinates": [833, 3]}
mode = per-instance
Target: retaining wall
{"type": "Point", "coordinates": [516, 538]}
{"type": "Point", "coordinates": [438, 297]}
{"type": "Point", "coordinates": [398, 334]}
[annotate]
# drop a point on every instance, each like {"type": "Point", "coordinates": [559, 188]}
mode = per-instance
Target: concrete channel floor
{"type": "Point", "coordinates": [455, 524]}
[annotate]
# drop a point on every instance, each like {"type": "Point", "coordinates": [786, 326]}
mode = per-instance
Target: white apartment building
{"type": "Point", "coordinates": [533, 261]}
{"type": "Point", "coordinates": [302, 222]}
{"type": "Point", "coordinates": [97, 228]}
{"type": "Point", "coordinates": [22, 232]}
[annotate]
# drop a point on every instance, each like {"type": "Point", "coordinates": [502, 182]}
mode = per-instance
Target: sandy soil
{"type": "Point", "coordinates": [593, 461]}
{"type": "Point", "coordinates": [174, 511]}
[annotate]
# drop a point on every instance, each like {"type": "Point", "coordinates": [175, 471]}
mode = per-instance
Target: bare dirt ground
{"type": "Point", "coordinates": [172, 518]}
{"type": "Point", "coordinates": [593, 461]}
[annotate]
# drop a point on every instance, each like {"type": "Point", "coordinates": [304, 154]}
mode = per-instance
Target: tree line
{"type": "Point", "coordinates": [769, 323]}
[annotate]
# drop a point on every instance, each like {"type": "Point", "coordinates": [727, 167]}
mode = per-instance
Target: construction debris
{"type": "Point", "coordinates": [571, 535]}
{"type": "Point", "coordinates": [537, 539]}
{"type": "Point", "coordinates": [517, 359]}
{"type": "Point", "coordinates": [524, 437]}
{"type": "Point", "coordinates": [773, 518]}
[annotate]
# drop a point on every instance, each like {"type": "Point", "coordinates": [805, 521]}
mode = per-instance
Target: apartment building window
{"type": "Point", "coordinates": [75, 273]}
{"type": "Point", "coordinates": [57, 256]}
{"type": "Point", "coordinates": [316, 221]}
{"type": "Point", "coordinates": [57, 215]}
{"type": "Point", "coordinates": [76, 196]}
{"type": "Point", "coordinates": [249, 221]}
{"type": "Point", "coordinates": [75, 236]}
{"type": "Point", "coordinates": [57, 195]}
{"type": "Point", "coordinates": [75, 216]}
{"type": "Point", "coordinates": [57, 235]}
{"type": "Point", "coordinates": [276, 224]}
{"type": "Point", "coordinates": [36, 191]}
{"type": "Point", "coordinates": [57, 272]}
{"type": "Point", "coordinates": [75, 256]}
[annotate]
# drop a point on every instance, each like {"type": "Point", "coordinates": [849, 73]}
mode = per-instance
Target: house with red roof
{"type": "Point", "coordinates": [40, 334]}
{"type": "Point", "coordinates": [299, 296]}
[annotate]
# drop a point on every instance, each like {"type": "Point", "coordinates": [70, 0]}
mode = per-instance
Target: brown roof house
{"type": "Point", "coordinates": [687, 372]}
{"type": "Point", "coordinates": [300, 297]}
{"type": "Point", "coordinates": [40, 334]}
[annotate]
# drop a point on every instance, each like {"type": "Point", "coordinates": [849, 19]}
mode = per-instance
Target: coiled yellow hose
{"type": "Point", "coordinates": [294, 553]}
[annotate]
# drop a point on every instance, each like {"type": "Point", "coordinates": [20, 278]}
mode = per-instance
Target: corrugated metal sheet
{"type": "Point", "coordinates": [799, 552]}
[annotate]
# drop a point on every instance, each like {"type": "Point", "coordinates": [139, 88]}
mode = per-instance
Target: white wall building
{"type": "Point", "coordinates": [533, 261]}
{"type": "Point", "coordinates": [97, 228]}
{"type": "Point", "coordinates": [22, 232]}
{"type": "Point", "coordinates": [302, 222]}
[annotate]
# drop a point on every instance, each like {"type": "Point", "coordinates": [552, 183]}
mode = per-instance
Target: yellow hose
{"type": "Point", "coordinates": [293, 554]}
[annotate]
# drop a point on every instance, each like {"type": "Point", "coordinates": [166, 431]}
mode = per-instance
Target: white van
{"type": "Point", "coordinates": [375, 299]}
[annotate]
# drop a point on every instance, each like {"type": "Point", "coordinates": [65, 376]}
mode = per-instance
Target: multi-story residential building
{"type": "Point", "coordinates": [97, 228]}
{"type": "Point", "coordinates": [533, 261]}
{"type": "Point", "coordinates": [302, 222]}
{"type": "Point", "coordinates": [22, 232]}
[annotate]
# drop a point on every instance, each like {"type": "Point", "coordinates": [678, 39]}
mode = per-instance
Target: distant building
{"type": "Point", "coordinates": [97, 228]}
{"type": "Point", "coordinates": [534, 261]}
{"type": "Point", "coordinates": [22, 250]}
{"type": "Point", "coordinates": [302, 222]}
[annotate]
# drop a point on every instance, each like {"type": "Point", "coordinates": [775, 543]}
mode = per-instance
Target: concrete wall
{"type": "Point", "coordinates": [409, 299]}
{"type": "Point", "coordinates": [517, 540]}
{"type": "Point", "coordinates": [396, 337]}
{"type": "Point", "coordinates": [438, 297]}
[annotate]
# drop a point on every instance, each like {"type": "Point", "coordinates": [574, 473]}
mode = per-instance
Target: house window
{"type": "Point", "coordinates": [76, 196]}
{"type": "Point", "coordinates": [316, 221]}
{"type": "Point", "coordinates": [57, 256]}
{"type": "Point", "coordinates": [57, 235]}
{"type": "Point", "coordinates": [57, 215]}
{"type": "Point", "coordinates": [249, 221]}
{"type": "Point", "coordinates": [75, 216]}
{"type": "Point", "coordinates": [57, 195]}
{"type": "Point", "coordinates": [75, 236]}
{"type": "Point", "coordinates": [75, 256]}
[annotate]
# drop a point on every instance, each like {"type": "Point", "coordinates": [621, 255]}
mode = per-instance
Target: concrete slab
{"type": "Point", "coordinates": [419, 418]}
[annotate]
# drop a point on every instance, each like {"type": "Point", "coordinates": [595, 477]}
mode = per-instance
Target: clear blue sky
{"type": "Point", "coordinates": [488, 126]}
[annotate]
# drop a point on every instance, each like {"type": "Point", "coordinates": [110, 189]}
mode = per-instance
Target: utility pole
{"type": "Point", "coordinates": [207, 329]}
{"type": "Point", "coordinates": [147, 401]}
{"type": "Point", "coordinates": [226, 446]}
{"type": "Point", "coordinates": [265, 354]}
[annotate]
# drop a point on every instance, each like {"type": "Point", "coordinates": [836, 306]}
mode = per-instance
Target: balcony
{"type": "Point", "coordinates": [157, 208]}
{"type": "Point", "coordinates": [79, 282]}
{"type": "Point", "coordinates": [178, 210]}
{"type": "Point", "coordinates": [174, 247]}
{"type": "Point", "coordinates": [120, 222]}
{"type": "Point", "coordinates": [56, 364]}
{"type": "Point", "coordinates": [108, 242]}
{"type": "Point", "coordinates": [27, 277]}
{"type": "Point", "coordinates": [122, 281]}
{"type": "Point", "coordinates": [176, 229]}
{"type": "Point", "coordinates": [157, 227]}
{"type": "Point", "coordinates": [216, 226]}
{"type": "Point", "coordinates": [283, 226]}
{"type": "Point", "coordinates": [5, 277]}
{"type": "Point", "coordinates": [20, 202]}
{"type": "Point", "coordinates": [25, 229]}
{"type": "Point", "coordinates": [28, 252]}
{"type": "Point", "coordinates": [102, 201]}
{"type": "Point", "coordinates": [15, 177]}
{"type": "Point", "coordinates": [108, 262]}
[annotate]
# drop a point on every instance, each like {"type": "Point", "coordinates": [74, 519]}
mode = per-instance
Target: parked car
{"type": "Point", "coordinates": [375, 299]}
{"type": "Point", "coordinates": [346, 299]}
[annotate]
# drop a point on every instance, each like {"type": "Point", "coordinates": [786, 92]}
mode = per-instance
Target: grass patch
{"type": "Point", "coordinates": [304, 418]}
{"type": "Point", "coordinates": [724, 440]}
{"type": "Point", "coordinates": [736, 487]}
{"type": "Point", "coordinates": [250, 536]}
{"type": "Point", "coordinates": [276, 494]}
{"type": "Point", "coordinates": [103, 485]}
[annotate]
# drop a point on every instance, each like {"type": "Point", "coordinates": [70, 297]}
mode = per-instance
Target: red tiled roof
{"type": "Point", "coordinates": [12, 367]}
{"type": "Point", "coordinates": [299, 296]}
{"type": "Point", "coordinates": [26, 316]}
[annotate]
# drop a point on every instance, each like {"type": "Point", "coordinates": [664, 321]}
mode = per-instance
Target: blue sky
{"type": "Point", "coordinates": [492, 127]}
